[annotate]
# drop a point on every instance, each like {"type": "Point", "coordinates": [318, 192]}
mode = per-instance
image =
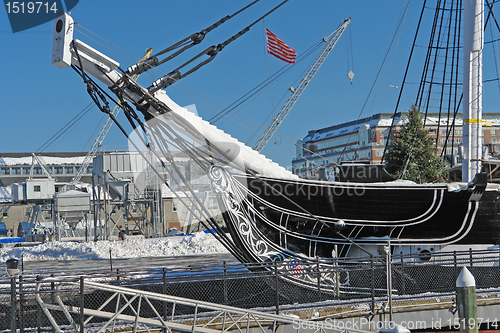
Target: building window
{"type": "Point", "coordinates": [174, 207]}
{"type": "Point", "coordinates": [69, 169]}
{"type": "Point", "coordinates": [493, 132]}
{"type": "Point", "coordinates": [5, 171]}
{"type": "Point", "coordinates": [16, 171]}
{"type": "Point", "coordinates": [37, 171]}
{"type": "Point", "coordinates": [384, 133]}
{"type": "Point", "coordinates": [379, 152]}
{"type": "Point", "coordinates": [90, 169]}
{"type": "Point", "coordinates": [58, 170]}
{"type": "Point", "coordinates": [432, 131]}
{"type": "Point", "coordinates": [5, 212]}
{"type": "Point", "coordinates": [37, 188]}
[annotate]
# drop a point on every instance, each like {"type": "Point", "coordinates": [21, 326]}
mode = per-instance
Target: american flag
{"type": "Point", "coordinates": [296, 269]}
{"type": "Point", "coordinates": [279, 49]}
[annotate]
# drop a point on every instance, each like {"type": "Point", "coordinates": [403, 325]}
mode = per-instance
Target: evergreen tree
{"type": "Point", "coordinates": [413, 155]}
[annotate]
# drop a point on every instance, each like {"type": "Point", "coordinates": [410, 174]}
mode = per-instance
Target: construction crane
{"type": "Point", "coordinates": [102, 134]}
{"type": "Point", "coordinates": [296, 92]}
{"type": "Point", "coordinates": [46, 170]}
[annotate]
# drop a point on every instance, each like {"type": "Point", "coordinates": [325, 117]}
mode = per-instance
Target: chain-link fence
{"type": "Point", "coordinates": [336, 287]}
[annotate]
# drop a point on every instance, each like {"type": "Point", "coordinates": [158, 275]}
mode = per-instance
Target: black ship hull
{"type": "Point", "coordinates": [272, 219]}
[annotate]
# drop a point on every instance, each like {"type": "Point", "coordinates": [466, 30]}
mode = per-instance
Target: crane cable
{"type": "Point", "coordinates": [65, 128]}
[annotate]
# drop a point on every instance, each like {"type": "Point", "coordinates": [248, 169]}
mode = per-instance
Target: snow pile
{"type": "Point", "coordinates": [199, 243]}
{"type": "Point", "coordinates": [49, 160]}
{"type": "Point", "coordinates": [5, 193]}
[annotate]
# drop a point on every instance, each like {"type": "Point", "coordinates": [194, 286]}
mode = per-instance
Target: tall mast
{"type": "Point", "coordinates": [473, 87]}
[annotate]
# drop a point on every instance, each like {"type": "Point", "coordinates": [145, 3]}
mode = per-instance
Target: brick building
{"type": "Point", "coordinates": [365, 140]}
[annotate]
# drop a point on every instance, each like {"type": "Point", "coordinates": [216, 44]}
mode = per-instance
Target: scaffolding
{"type": "Point", "coordinates": [126, 200]}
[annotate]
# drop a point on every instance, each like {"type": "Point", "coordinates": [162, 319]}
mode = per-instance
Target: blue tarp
{"type": "Point", "coordinates": [11, 240]}
{"type": "Point", "coordinates": [3, 230]}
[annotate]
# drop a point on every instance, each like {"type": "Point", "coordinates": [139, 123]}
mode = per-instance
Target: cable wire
{"type": "Point", "coordinates": [65, 128]}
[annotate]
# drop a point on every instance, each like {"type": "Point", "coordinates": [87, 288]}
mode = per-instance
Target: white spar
{"type": "Point", "coordinates": [103, 69]}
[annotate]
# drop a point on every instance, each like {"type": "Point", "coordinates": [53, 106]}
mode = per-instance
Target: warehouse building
{"type": "Point", "coordinates": [365, 140]}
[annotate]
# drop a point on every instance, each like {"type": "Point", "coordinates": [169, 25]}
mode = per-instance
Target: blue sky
{"type": "Point", "coordinates": [38, 99]}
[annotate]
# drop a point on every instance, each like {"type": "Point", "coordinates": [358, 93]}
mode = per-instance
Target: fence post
{"type": "Point", "coordinates": [403, 279]}
{"type": "Point", "coordinates": [337, 276]}
{"type": "Point", "coordinates": [13, 305]}
{"type": "Point", "coordinates": [389, 277]}
{"type": "Point", "coordinates": [110, 260]}
{"type": "Point", "coordinates": [21, 304]}
{"type": "Point", "coordinates": [470, 257]}
{"type": "Point", "coordinates": [455, 264]}
{"type": "Point", "coordinates": [276, 282]}
{"type": "Point", "coordinates": [319, 275]}
{"type": "Point", "coordinates": [164, 292]}
{"type": "Point", "coordinates": [52, 296]}
{"type": "Point", "coordinates": [82, 305]}
{"type": "Point", "coordinates": [38, 310]}
{"type": "Point", "coordinates": [225, 283]}
{"type": "Point", "coordinates": [372, 284]}
{"type": "Point", "coordinates": [118, 276]}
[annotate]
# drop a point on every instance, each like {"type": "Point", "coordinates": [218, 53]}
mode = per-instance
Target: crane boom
{"type": "Point", "coordinates": [332, 40]}
{"type": "Point", "coordinates": [43, 165]}
{"type": "Point", "coordinates": [102, 134]}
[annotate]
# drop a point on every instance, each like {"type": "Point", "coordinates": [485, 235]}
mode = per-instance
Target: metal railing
{"type": "Point", "coordinates": [227, 296]}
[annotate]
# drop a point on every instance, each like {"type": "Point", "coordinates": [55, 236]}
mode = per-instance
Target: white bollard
{"type": "Point", "coordinates": [467, 302]}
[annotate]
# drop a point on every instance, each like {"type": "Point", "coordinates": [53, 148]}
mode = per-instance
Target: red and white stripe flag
{"type": "Point", "coordinates": [277, 48]}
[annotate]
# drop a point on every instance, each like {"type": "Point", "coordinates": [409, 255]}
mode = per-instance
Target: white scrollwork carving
{"type": "Point", "coordinates": [241, 215]}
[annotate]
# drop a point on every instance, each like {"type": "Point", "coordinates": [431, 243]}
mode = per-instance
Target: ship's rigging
{"type": "Point", "coordinates": [271, 214]}
{"type": "Point", "coordinates": [440, 85]}
{"type": "Point", "coordinates": [123, 87]}
{"type": "Point", "coordinates": [187, 43]}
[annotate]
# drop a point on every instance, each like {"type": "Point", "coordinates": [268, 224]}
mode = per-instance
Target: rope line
{"type": "Point", "coordinates": [244, 98]}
